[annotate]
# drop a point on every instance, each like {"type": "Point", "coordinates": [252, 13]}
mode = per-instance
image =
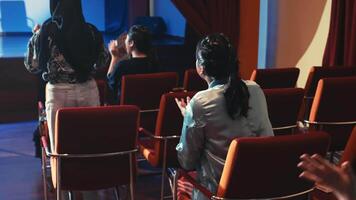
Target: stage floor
{"type": "Point", "coordinates": [16, 45]}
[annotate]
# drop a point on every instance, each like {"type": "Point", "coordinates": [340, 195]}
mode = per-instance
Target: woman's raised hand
{"type": "Point", "coordinates": [182, 104]}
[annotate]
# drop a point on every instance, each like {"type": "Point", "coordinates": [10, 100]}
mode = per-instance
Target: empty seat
{"type": "Point", "coordinates": [276, 77]}
{"type": "Point", "coordinates": [283, 108]}
{"type": "Point", "coordinates": [315, 74]}
{"type": "Point", "coordinates": [333, 109]}
{"type": "Point", "coordinates": [159, 148]}
{"type": "Point", "coordinates": [94, 148]}
{"type": "Point", "coordinates": [145, 91]}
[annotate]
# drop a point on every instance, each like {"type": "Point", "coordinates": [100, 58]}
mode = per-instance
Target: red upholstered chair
{"type": "Point", "coordinates": [145, 91]}
{"type": "Point", "coordinates": [315, 74]}
{"type": "Point", "coordinates": [193, 82]}
{"type": "Point", "coordinates": [283, 108]}
{"type": "Point", "coordinates": [94, 148]}
{"type": "Point", "coordinates": [159, 148]}
{"type": "Point", "coordinates": [276, 77]}
{"type": "Point", "coordinates": [103, 91]}
{"type": "Point", "coordinates": [333, 109]}
{"type": "Point", "coordinates": [348, 155]}
{"type": "Point", "coordinates": [266, 167]}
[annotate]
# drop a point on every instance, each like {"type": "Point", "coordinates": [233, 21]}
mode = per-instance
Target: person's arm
{"type": "Point", "coordinates": [191, 144]}
{"type": "Point", "coordinates": [340, 180]}
{"type": "Point", "coordinates": [114, 57]}
{"type": "Point", "coordinates": [32, 55]}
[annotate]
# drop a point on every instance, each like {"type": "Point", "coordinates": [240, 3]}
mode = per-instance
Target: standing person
{"type": "Point", "coordinates": [66, 50]}
{"type": "Point", "coordinates": [141, 59]}
{"type": "Point", "coordinates": [229, 108]}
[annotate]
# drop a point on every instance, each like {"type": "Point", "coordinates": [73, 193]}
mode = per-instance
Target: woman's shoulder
{"type": "Point", "coordinates": [253, 87]}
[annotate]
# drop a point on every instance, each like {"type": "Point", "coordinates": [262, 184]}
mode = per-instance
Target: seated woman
{"type": "Point", "coordinates": [228, 109]}
{"type": "Point", "coordinates": [141, 61]}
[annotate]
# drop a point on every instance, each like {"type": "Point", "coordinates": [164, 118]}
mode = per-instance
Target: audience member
{"type": "Point", "coordinates": [340, 180]}
{"type": "Point", "coordinates": [229, 108]}
{"type": "Point", "coordinates": [66, 50]}
{"type": "Point", "coordinates": [140, 58]}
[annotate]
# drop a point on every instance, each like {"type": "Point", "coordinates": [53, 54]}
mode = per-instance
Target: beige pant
{"type": "Point", "coordinates": [68, 95]}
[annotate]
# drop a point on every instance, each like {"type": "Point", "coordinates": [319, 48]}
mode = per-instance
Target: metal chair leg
{"type": "Point", "coordinates": [44, 174]}
{"type": "Point", "coordinates": [70, 195]}
{"type": "Point", "coordinates": [164, 168]}
{"type": "Point", "coordinates": [116, 192]}
{"type": "Point", "coordinates": [175, 186]}
{"type": "Point", "coordinates": [58, 182]}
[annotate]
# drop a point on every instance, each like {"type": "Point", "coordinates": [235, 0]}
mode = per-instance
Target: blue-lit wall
{"type": "Point", "coordinates": [174, 20]}
{"type": "Point", "coordinates": [21, 15]}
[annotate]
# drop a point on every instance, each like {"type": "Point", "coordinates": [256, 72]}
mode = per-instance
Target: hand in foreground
{"type": "Point", "coordinates": [182, 104]}
{"type": "Point", "coordinates": [340, 180]}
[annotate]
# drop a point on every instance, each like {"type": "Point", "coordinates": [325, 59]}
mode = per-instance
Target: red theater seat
{"type": "Point", "coordinates": [266, 167]}
{"type": "Point", "coordinates": [159, 148]}
{"type": "Point", "coordinates": [276, 77]}
{"type": "Point", "coordinates": [333, 109]}
{"type": "Point", "coordinates": [94, 148]}
{"type": "Point", "coordinates": [145, 91]}
{"type": "Point", "coordinates": [193, 82]}
{"type": "Point", "coordinates": [283, 108]}
{"type": "Point", "coordinates": [315, 74]}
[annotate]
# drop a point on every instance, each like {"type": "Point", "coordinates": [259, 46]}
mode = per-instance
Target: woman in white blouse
{"type": "Point", "coordinates": [229, 108]}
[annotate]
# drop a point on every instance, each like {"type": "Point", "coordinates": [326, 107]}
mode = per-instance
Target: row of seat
{"type": "Point", "coordinates": [106, 154]}
{"type": "Point", "coordinates": [163, 126]}
{"type": "Point", "coordinates": [283, 104]}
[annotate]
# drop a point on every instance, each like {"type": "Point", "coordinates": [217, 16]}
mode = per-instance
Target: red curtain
{"type": "Point", "coordinates": [212, 16]}
{"type": "Point", "coordinates": [340, 48]}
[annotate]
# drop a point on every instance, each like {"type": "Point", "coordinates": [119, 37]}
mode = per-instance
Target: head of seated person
{"type": "Point", "coordinates": [139, 58]}
{"type": "Point", "coordinates": [138, 41]}
{"type": "Point", "coordinates": [216, 62]}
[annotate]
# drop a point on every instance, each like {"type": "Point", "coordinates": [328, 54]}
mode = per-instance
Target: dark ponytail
{"type": "Point", "coordinates": [218, 57]}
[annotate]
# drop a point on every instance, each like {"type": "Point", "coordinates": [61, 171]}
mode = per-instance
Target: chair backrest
{"type": "Point", "coordinates": [283, 108]}
{"type": "Point", "coordinates": [145, 91]}
{"type": "Point", "coordinates": [276, 78]}
{"type": "Point", "coordinates": [316, 73]}
{"type": "Point", "coordinates": [95, 130]}
{"type": "Point", "coordinates": [266, 167]}
{"type": "Point", "coordinates": [193, 82]}
{"type": "Point", "coordinates": [334, 101]}
{"type": "Point", "coordinates": [169, 122]}
{"type": "Point", "coordinates": [350, 150]}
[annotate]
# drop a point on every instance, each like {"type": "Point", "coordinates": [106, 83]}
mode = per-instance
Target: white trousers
{"type": "Point", "coordinates": [68, 95]}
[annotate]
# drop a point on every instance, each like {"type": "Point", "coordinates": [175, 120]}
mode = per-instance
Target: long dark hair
{"type": "Point", "coordinates": [218, 57]}
{"type": "Point", "coordinates": [72, 35]}
{"type": "Point", "coordinates": [142, 39]}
